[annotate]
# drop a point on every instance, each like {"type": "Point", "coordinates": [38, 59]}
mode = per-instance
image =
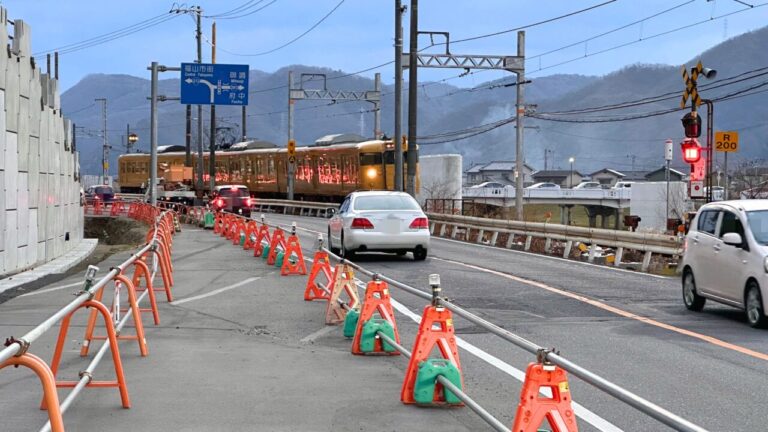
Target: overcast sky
{"type": "Point", "coordinates": [359, 34]}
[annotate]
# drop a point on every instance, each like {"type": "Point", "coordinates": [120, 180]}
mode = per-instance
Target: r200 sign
{"type": "Point", "coordinates": [727, 141]}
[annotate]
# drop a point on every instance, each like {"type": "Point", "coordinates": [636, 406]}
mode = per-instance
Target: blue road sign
{"type": "Point", "coordinates": [214, 84]}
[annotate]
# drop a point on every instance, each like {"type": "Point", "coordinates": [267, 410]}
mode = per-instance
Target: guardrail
{"type": "Point", "coordinates": [622, 194]}
{"type": "Point", "coordinates": [158, 248]}
{"type": "Point", "coordinates": [305, 208]}
{"type": "Point", "coordinates": [487, 231]}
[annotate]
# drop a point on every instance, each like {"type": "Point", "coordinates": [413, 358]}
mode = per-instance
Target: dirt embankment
{"type": "Point", "coordinates": [115, 231]}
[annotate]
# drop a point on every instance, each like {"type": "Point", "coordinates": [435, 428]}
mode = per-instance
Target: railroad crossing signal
{"type": "Point", "coordinates": [727, 141]}
{"type": "Point", "coordinates": [690, 86]}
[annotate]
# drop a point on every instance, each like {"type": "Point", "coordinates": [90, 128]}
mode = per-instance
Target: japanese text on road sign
{"type": "Point", "coordinates": [214, 84]}
{"type": "Point", "coordinates": [727, 141]}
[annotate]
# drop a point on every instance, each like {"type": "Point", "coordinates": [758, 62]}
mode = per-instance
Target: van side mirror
{"type": "Point", "coordinates": [732, 238]}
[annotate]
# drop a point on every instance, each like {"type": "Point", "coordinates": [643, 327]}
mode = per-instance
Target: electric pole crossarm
{"type": "Point", "coordinates": [461, 61]}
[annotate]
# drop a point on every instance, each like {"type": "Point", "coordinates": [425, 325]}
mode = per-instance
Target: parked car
{"type": "Point", "coordinates": [623, 184]}
{"type": "Point", "coordinates": [588, 185]}
{"type": "Point", "coordinates": [726, 258]}
{"type": "Point", "coordinates": [544, 185]}
{"type": "Point", "coordinates": [494, 185]}
{"type": "Point", "coordinates": [233, 199]}
{"type": "Point", "coordinates": [379, 221]}
{"type": "Point", "coordinates": [102, 192]}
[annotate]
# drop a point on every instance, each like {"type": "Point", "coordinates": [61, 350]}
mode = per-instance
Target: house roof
{"type": "Point", "coordinates": [671, 171]}
{"type": "Point", "coordinates": [555, 174]}
{"type": "Point", "coordinates": [608, 171]}
{"type": "Point", "coordinates": [495, 166]}
{"type": "Point", "coordinates": [634, 175]}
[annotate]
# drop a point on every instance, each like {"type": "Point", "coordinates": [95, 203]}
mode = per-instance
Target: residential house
{"type": "Point", "coordinates": [660, 175]}
{"type": "Point", "coordinates": [497, 171]}
{"type": "Point", "coordinates": [562, 178]}
{"type": "Point", "coordinates": [607, 177]}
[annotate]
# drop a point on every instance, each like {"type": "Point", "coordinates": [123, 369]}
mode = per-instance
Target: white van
{"type": "Point", "coordinates": [726, 258]}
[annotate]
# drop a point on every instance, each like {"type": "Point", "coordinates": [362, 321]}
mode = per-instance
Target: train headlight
{"type": "Point", "coordinates": [371, 173]}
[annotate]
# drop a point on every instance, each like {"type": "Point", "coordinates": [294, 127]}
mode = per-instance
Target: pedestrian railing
{"type": "Point", "coordinates": [153, 256]}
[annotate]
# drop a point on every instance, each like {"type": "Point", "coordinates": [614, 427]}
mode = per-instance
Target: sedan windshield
{"type": "Point", "coordinates": [386, 202]}
{"type": "Point", "coordinates": [758, 223]}
{"type": "Point", "coordinates": [238, 192]}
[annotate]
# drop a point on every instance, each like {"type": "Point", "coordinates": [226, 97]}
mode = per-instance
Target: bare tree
{"type": "Point", "coordinates": [750, 179]}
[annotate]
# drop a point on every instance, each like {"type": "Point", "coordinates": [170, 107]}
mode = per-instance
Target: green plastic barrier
{"type": "Point", "coordinates": [265, 252]}
{"type": "Point", "coordinates": [242, 238]}
{"type": "Point", "coordinates": [426, 378]}
{"type": "Point", "coordinates": [279, 259]}
{"type": "Point", "coordinates": [210, 220]}
{"type": "Point", "coordinates": [368, 335]}
{"type": "Point", "coordinates": [350, 323]}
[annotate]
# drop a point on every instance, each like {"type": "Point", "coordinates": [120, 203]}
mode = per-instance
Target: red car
{"type": "Point", "coordinates": [233, 199]}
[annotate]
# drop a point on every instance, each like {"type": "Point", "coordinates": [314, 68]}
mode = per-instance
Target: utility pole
{"type": "Point", "coordinates": [399, 10]}
{"type": "Point", "coordinates": [290, 133]}
{"type": "Point", "coordinates": [519, 157]}
{"type": "Point", "coordinates": [105, 148]}
{"type": "Point", "coordinates": [198, 12]}
{"type": "Point", "coordinates": [127, 138]}
{"type": "Point", "coordinates": [212, 149]}
{"type": "Point", "coordinates": [153, 137]}
{"type": "Point", "coordinates": [245, 136]}
{"type": "Point", "coordinates": [632, 158]}
{"type": "Point", "coordinates": [377, 108]}
{"type": "Point", "coordinates": [413, 102]}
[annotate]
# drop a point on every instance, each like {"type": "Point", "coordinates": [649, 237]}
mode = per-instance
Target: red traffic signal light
{"type": "Point", "coordinates": [691, 150]}
{"type": "Point", "coordinates": [692, 125]}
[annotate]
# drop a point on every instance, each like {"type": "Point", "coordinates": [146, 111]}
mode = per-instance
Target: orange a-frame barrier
{"type": "Point", "coordinates": [297, 266]}
{"type": "Point", "coordinates": [426, 339]}
{"type": "Point", "coordinates": [321, 264]}
{"type": "Point", "coordinates": [376, 300]}
{"type": "Point", "coordinates": [343, 282]}
{"type": "Point", "coordinates": [535, 408]}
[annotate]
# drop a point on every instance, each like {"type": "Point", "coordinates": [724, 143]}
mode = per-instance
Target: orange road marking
{"type": "Point", "coordinates": [617, 311]}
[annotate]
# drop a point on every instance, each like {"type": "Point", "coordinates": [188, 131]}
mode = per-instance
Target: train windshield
{"type": "Point", "coordinates": [370, 159]}
{"type": "Point", "coordinates": [389, 157]}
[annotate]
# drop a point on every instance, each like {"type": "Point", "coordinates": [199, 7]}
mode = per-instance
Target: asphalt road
{"type": "Point", "coordinates": [628, 327]}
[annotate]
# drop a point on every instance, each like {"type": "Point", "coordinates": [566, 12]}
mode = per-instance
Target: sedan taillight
{"type": "Point", "coordinates": [361, 223]}
{"type": "Point", "coordinates": [420, 223]}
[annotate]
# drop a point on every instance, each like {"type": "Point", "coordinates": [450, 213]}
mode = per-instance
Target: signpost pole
{"type": "Point", "coordinates": [290, 134]}
{"type": "Point", "coordinates": [725, 168]}
{"type": "Point", "coordinates": [212, 149]}
{"type": "Point", "coordinates": [398, 95]}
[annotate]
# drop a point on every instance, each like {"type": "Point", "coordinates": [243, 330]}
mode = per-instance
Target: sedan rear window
{"type": "Point", "coordinates": [104, 190]}
{"type": "Point", "coordinates": [386, 202]}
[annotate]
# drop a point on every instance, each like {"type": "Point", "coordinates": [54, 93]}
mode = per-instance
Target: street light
{"type": "Point", "coordinates": [570, 179]}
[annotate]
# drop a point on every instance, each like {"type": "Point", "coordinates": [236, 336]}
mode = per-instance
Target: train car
{"type": "Point", "coordinates": [326, 171]}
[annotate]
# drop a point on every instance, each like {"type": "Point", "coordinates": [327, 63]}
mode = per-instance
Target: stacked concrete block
{"type": "Point", "coordinates": [39, 196]}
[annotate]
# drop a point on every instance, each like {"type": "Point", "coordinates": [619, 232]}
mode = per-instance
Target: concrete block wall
{"type": "Point", "coordinates": [39, 171]}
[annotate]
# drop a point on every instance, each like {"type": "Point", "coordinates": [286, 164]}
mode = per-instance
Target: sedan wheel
{"type": "Point", "coordinates": [693, 301]}
{"type": "Point", "coordinates": [346, 253]}
{"type": "Point", "coordinates": [330, 244]}
{"type": "Point", "coordinates": [754, 306]}
{"type": "Point", "coordinates": [419, 254]}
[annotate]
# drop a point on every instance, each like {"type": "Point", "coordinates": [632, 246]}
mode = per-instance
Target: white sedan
{"type": "Point", "coordinates": [379, 222]}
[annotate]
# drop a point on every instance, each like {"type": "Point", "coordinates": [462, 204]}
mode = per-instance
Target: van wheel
{"type": "Point", "coordinates": [693, 301]}
{"type": "Point", "coordinates": [753, 303]}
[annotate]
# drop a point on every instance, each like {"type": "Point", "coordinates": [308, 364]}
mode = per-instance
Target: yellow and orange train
{"type": "Point", "coordinates": [322, 172]}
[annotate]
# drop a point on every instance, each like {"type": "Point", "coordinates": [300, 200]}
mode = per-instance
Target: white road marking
{"type": "Point", "coordinates": [581, 411]}
{"type": "Point", "coordinates": [214, 292]}
{"type": "Point", "coordinates": [74, 284]}
{"type": "Point", "coordinates": [323, 331]}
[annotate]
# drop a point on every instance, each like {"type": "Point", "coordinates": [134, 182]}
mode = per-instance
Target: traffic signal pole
{"type": "Point", "coordinates": [710, 146]}
{"type": "Point", "coordinates": [290, 133]}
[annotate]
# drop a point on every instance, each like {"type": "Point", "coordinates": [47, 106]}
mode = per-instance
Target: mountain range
{"type": "Point", "coordinates": [596, 139]}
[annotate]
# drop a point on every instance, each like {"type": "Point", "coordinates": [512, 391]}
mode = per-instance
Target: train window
{"type": "Point", "coordinates": [370, 158]}
{"type": "Point", "coordinates": [389, 157]}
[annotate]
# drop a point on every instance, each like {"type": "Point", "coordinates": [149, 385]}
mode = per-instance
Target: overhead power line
{"type": "Point", "coordinates": [110, 36]}
{"type": "Point", "coordinates": [245, 12]}
{"type": "Point", "coordinates": [306, 32]}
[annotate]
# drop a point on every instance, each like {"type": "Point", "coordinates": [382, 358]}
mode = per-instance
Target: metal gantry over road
{"type": "Point", "coordinates": [301, 93]}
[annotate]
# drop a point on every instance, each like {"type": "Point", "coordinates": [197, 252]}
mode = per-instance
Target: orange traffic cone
{"type": "Point", "coordinates": [376, 300]}
{"type": "Point", "coordinates": [320, 264]}
{"type": "Point", "coordinates": [426, 339]}
{"type": "Point", "coordinates": [534, 408]}
{"type": "Point", "coordinates": [343, 282]}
